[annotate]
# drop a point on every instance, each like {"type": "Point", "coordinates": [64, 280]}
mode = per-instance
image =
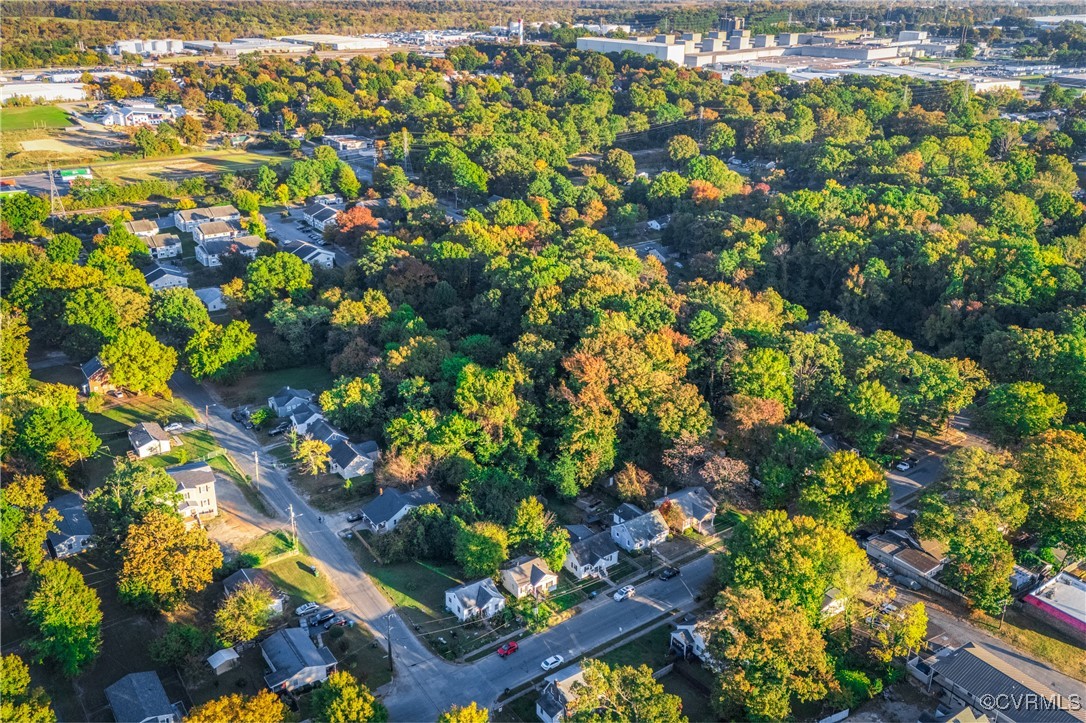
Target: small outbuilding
{"type": "Point", "coordinates": [223, 660]}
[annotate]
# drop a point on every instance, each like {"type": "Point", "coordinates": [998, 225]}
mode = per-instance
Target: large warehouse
{"type": "Point", "coordinates": [335, 42]}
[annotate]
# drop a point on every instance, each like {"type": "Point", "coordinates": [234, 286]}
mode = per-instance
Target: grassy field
{"type": "Point", "coordinates": [177, 167]}
{"type": "Point", "coordinates": [34, 116]}
{"type": "Point", "coordinates": [256, 388]}
{"type": "Point", "coordinates": [1034, 637]}
{"type": "Point", "coordinates": [292, 575]}
{"type": "Point", "coordinates": [650, 649]}
{"type": "Point", "coordinates": [271, 546]}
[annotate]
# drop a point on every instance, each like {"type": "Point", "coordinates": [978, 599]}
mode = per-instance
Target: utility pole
{"type": "Point", "coordinates": [388, 637]}
{"type": "Point", "coordinates": [55, 201]}
{"type": "Point", "coordinates": [206, 417]}
{"type": "Point", "coordinates": [294, 531]}
{"type": "Point", "coordinates": [256, 463]}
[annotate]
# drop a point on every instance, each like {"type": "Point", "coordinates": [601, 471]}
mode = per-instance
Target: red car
{"type": "Point", "coordinates": [508, 649]}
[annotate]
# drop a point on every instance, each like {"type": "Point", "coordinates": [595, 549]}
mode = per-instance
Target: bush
{"type": "Point", "coordinates": [181, 645]}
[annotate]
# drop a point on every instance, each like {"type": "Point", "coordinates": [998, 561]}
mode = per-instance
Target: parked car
{"type": "Point", "coordinates": [117, 394]}
{"type": "Point", "coordinates": [888, 608]}
{"type": "Point", "coordinates": [670, 572]}
{"type": "Point", "coordinates": [552, 662]}
{"type": "Point", "coordinates": [174, 427]}
{"type": "Point", "coordinates": [337, 621]}
{"type": "Point", "coordinates": [508, 649]}
{"type": "Point", "coordinates": [907, 464]}
{"type": "Point", "coordinates": [354, 517]}
{"type": "Point", "coordinates": [906, 581]}
{"type": "Point", "coordinates": [240, 414]}
{"type": "Point", "coordinates": [306, 608]}
{"type": "Point", "coordinates": [320, 618]}
{"type": "Point", "coordinates": [278, 429]}
{"type": "Point", "coordinates": [624, 592]}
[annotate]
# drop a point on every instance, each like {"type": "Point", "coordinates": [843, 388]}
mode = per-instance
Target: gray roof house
{"type": "Point", "coordinates": [160, 277]}
{"type": "Point", "coordinates": [558, 693]}
{"type": "Point", "coordinates": [261, 580]}
{"type": "Point", "coordinates": [591, 556]}
{"type": "Point", "coordinates": [95, 377]}
{"type": "Point", "coordinates": [313, 255]}
{"type": "Point", "coordinates": [527, 575]}
{"type": "Point", "coordinates": [324, 431]}
{"type": "Point", "coordinates": [353, 460]}
{"type": "Point", "coordinates": [697, 505]}
{"type": "Point", "coordinates": [295, 660]}
{"type": "Point", "coordinates": [149, 439]}
{"type": "Point", "coordinates": [320, 216]}
{"type": "Point", "coordinates": [196, 485]}
{"type": "Point", "coordinates": [304, 416]}
{"type": "Point", "coordinates": [384, 512]}
{"type": "Point", "coordinates": [479, 599]}
{"type": "Point", "coordinates": [140, 698]}
{"type": "Point", "coordinates": [640, 533]}
{"type": "Point", "coordinates": [626, 512]}
{"type": "Point", "coordinates": [286, 400]}
{"type": "Point", "coordinates": [74, 530]}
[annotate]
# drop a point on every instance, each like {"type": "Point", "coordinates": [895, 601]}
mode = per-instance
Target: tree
{"type": "Point", "coordinates": [351, 402]}
{"type": "Point", "coordinates": [539, 531]}
{"type": "Point", "coordinates": [182, 646]}
{"type": "Point", "coordinates": [313, 454]}
{"type": "Point", "coordinates": [845, 491]}
{"type": "Point", "coordinates": [871, 410]}
{"type": "Point", "coordinates": [55, 438]}
{"type": "Point", "coordinates": [25, 522]}
{"type": "Point", "coordinates": [246, 201]}
{"type": "Point", "coordinates": [14, 343]}
{"type": "Point", "coordinates": [903, 633]}
{"type": "Point", "coordinates": [965, 51]}
{"type": "Point", "coordinates": [276, 276]}
{"type": "Point", "coordinates": [132, 491]}
{"type": "Point", "coordinates": [221, 352]}
{"type": "Point", "coordinates": [66, 616]}
{"type": "Point", "coordinates": [342, 699]}
{"type": "Point", "coordinates": [451, 169]}
{"type": "Point", "coordinates": [1053, 469]}
{"type": "Point", "coordinates": [63, 248]}
{"type": "Point", "coordinates": [480, 548]}
{"type": "Point", "coordinates": [720, 139]}
{"type": "Point", "coordinates": [622, 693]}
{"type": "Point", "coordinates": [243, 614]}
{"type": "Point", "coordinates": [765, 374]}
{"type": "Point", "coordinates": [138, 361]}
{"type": "Point", "coordinates": [163, 561]}
{"type": "Point", "coordinates": [264, 707]}
{"type": "Point", "coordinates": [769, 654]}
{"type": "Point", "coordinates": [23, 213]}
{"type": "Point", "coordinates": [618, 165]}
{"type": "Point", "coordinates": [980, 562]}
{"type": "Point", "coordinates": [346, 182]}
{"type": "Point", "coordinates": [19, 702]}
{"type": "Point", "coordinates": [634, 484]}
{"type": "Point", "coordinates": [682, 149]}
{"type": "Point", "coordinates": [470, 713]}
{"type": "Point", "coordinates": [266, 181]}
{"type": "Point", "coordinates": [1021, 409]}
{"type": "Point", "coordinates": [177, 314]}
{"type": "Point", "coordinates": [792, 451]}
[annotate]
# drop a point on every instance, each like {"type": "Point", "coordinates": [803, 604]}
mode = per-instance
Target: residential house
{"type": "Point", "coordinates": [248, 575]}
{"type": "Point", "coordinates": [834, 603]}
{"type": "Point", "coordinates": [527, 575]}
{"type": "Point", "coordinates": [188, 219]}
{"type": "Point", "coordinates": [286, 400]}
{"type": "Point", "coordinates": [149, 439]}
{"type": "Point", "coordinates": [688, 642]}
{"type": "Point", "coordinates": [212, 298]}
{"type": "Point", "coordinates": [163, 245]}
{"type": "Point", "coordinates": [353, 460]}
{"type": "Point", "coordinates": [295, 661]}
{"type": "Point", "coordinates": [641, 533]}
{"type": "Point", "coordinates": [210, 253]}
{"type": "Point", "coordinates": [140, 113]}
{"type": "Point", "coordinates": [320, 216]}
{"type": "Point", "coordinates": [143, 228]}
{"type": "Point", "coordinates": [140, 698]}
{"type": "Point", "coordinates": [313, 255]}
{"type": "Point", "coordinates": [974, 676]}
{"type": "Point", "coordinates": [164, 277]}
{"type": "Point", "coordinates": [96, 377]}
{"type": "Point", "coordinates": [625, 512]}
{"type": "Point", "coordinates": [328, 199]}
{"type": "Point", "coordinates": [476, 600]}
{"type": "Point", "coordinates": [698, 508]}
{"type": "Point", "coordinates": [305, 416]}
{"type": "Point", "coordinates": [325, 432]}
{"type": "Point", "coordinates": [906, 555]}
{"type": "Point", "coordinates": [384, 512]}
{"type": "Point", "coordinates": [578, 532]}
{"type": "Point", "coordinates": [212, 230]}
{"type": "Point", "coordinates": [592, 556]}
{"type": "Point", "coordinates": [74, 532]}
{"type": "Point", "coordinates": [558, 694]}
{"type": "Point", "coordinates": [196, 485]}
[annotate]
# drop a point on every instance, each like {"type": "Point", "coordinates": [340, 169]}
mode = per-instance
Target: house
{"type": "Point", "coordinates": [210, 253]}
{"type": "Point", "coordinates": [149, 439]}
{"type": "Point", "coordinates": [688, 642]}
{"type": "Point", "coordinates": [286, 400]}
{"type": "Point", "coordinates": [476, 600]}
{"type": "Point", "coordinates": [528, 575]}
{"type": "Point", "coordinates": [196, 485]}
{"type": "Point", "coordinates": [223, 660]}
{"type": "Point", "coordinates": [248, 575]}
{"type": "Point", "coordinates": [625, 512]}
{"type": "Point", "coordinates": [212, 297]}
{"type": "Point", "coordinates": [140, 698]}
{"type": "Point", "coordinates": [328, 199]}
{"type": "Point", "coordinates": [698, 508]}
{"type": "Point", "coordinates": [188, 219]}
{"type": "Point", "coordinates": [905, 555]}
{"type": "Point", "coordinates": [144, 228]}
{"type": "Point", "coordinates": [640, 533]}
{"type": "Point", "coordinates": [305, 416]}
{"type": "Point", "coordinates": [325, 432]}
{"type": "Point", "coordinates": [558, 693]}
{"type": "Point", "coordinates": [163, 245]}
{"type": "Point", "coordinates": [96, 377]}
{"type": "Point", "coordinates": [592, 556]}
{"type": "Point", "coordinates": [578, 532]}
{"type": "Point", "coordinates": [313, 255]}
{"type": "Point", "coordinates": [140, 113]}
{"type": "Point", "coordinates": [211, 230]}
{"type": "Point", "coordinates": [164, 277]}
{"type": "Point", "coordinates": [834, 603]}
{"type": "Point", "coordinates": [384, 512]}
{"type": "Point", "coordinates": [974, 676]}
{"type": "Point", "coordinates": [295, 661]}
{"type": "Point", "coordinates": [74, 531]}
{"type": "Point", "coordinates": [320, 216]}
{"type": "Point", "coordinates": [353, 460]}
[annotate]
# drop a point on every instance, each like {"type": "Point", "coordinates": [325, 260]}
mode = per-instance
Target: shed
{"type": "Point", "coordinates": [223, 660]}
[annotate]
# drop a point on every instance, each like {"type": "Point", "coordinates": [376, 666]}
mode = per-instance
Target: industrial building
{"type": "Point", "coordinates": [146, 47]}
{"type": "Point", "coordinates": [335, 42]}
{"type": "Point", "coordinates": [240, 46]}
{"type": "Point", "coordinates": [661, 50]}
{"type": "Point", "coordinates": [43, 91]}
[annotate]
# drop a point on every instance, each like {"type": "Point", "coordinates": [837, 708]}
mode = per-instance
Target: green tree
{"type": "Point", "coordinates": [451, 169]}
{"type": "Point", "coordinates": [276, 276]}
{"type": "Point", "coordinates": [181, 646]}
{"type": "Point", "coordinates": [871, 411]}
{"type": "Point", "coordinates": [266, 181]}
{"type": "Point", "coordinates": [902, 634]}
{"type": "Point", "coordinates": [221, 352]}
{"type": "Point", "coordinates": [770, 655]}
{"type": "Point", "coordinates": [346, 182]}
{"type": "Point", "coordinates": [19, 702]}
{"type": "Point", "coordinates": [23, 213]}
{"type": "Point", "coordinates": [539, 531]}
{"type": "Point", "coordinates": [965, 51]}
{"type": "Point", "coordinates": [1021, 409]}
{"type": "Point", "coordinates": [766, 374]}
{"type": "Point", "coordinates": [1053, 469]}
{"type": "Point", "coordinates": [480, 548]}
{"type": "Point", "coordinates": [243, 614]}
{"type": "Point", "coordinates": [14, 344]}
{"type": "Point", "coordinates": [138, 361]}
{"type": "Point", "coordinates": [793, 449]}
{"type": "Point", "coordinates": [63, 248]}
{"type": "Point", "coordinates": [163, 561]}
{"type": "Point", "coordinates": [682, 149]}
{"type": "Point", "coordinates": [342, 699]}
{"type": "Point", "coordinates": [66, 616]}
{"type": "Point", "coordinates": [618, 165]}
{"type": "Point", "coordinates": [846, 491]}
{"type": "Point", "coordinates": [720, 139]}
{"type": "Point", "coordinates": [25, 522]}
{"type": "Point", "coordinates": [55, 438]}
{"type": "Point", "coordinates": [177, 314]}
{"type": "Point", "coordinates": [980, 562]}
{"type": "Point", "coordinates": [622, 693]}
{"type": "Point", "coordinates": [246, 201]}
{"type": "Point", "coordinates": [313, 455]}
{"type": "Point", "coordinates": [132, 491]}
{"type": "Point", "coordinates": [352, 402]}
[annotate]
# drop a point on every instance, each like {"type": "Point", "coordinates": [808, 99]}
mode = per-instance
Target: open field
{"type": "Point", "coordinates": [179, 167]}
{"type": "Point", "coordinates": [34, 116]}
{"type": "Point", "coordinates": [255, 388]}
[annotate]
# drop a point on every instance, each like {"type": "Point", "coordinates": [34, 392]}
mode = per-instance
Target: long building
{"type": "Point", "coordinates": [335, 42]}
{"type": "Point", "coordinates": [43, 91]}
{"type": "Point", "coordinates": [240, 46]}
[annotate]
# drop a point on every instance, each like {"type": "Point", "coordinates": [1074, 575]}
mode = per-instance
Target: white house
{"type": "Point", "coordinates": [313, 255]}
{"type": "Point", "coordinates": [698, 508]}
{"type": "Point", "coordinates": [640, 533]}
{"type": "Point", "coordinates": [140, 113]}
{"type": "Point", "coordinates": [165, 277]}
{"type": "Point", "coordinates": [591, 556]}
{"type": "Point", "coordinates": [188, 219]}
{"type": "Point", "coordinates": [210, 253]}
{"type": "Point", "coordinates": [384, 512]}
{"type": "Point", "coordinates": [162, 245]}
{"type": "Point", "coordinates": [212, 298]}
{"type": "Point", "coordinates": [320, 216]}
{"type": "Point", "coordinates": [528, 575]}
{"type": "Point", "coordinates": [353, 460]}
{"type": "Point", "coordinates": [689, 642]}
{"type": "Point", "coordinates": [149, 439]}
{"type": "Point", "coordinates": [196, 485]}
{"type": "Point", "coordinates": [476, 600]}
{"type": "Point", "coordinates": [140, 698]}
{"type": "Point", "coordinates": [74, 531]}
{"type": "Point", "coordinates": [212, 230]}
{"type": "Point", "coordinates": [295, 661]}
{"type": "Point", "coordinates": [144, 227]}
{"type": "Point", "coordinates": [304, 416]}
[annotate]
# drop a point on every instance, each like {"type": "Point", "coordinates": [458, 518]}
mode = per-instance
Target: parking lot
{"type": "Point", "coordinates": [291, 229]}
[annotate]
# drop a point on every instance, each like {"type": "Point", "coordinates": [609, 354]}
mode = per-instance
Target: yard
{"type": "Point", "coordinates": [650, 649]}
{"type": "Point", "coordinates": [34, 116]}
{"type": "Point", "coordinates": [255, 388]}
{"type": "Point", "coordinates": [289, 569]}
{"type": "Point", "coordinates": [329, 492]}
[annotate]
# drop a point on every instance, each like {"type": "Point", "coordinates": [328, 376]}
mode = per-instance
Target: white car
{"type": "Point", "coordinates": [305, 609]}
{"type": "Point", "coordinates": [624, 592]}
{"type": "Point", "coordinates": [552, 662]}
{"type": "Point", "coordinates": [175, 427]}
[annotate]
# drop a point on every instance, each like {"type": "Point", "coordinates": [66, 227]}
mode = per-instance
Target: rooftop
{"type": "Point", "coordinates": [646, 527]}
{"type": "Point", "coordinates": [210, 213]}
{"type": "Point", "coordinates": [528, 570]}
{"type": "Point", "coordinates": [592, 549]}
{"type": "Point", "coordinates": [385, 505]}
{"type": "Point", "coordinates": [191, 475]}
{"type": "Point", "coordinates": [1064, 596]}
{"type": "Point", "coordinates": [147, 432]}
{"type": "Point", "coordinates": [74, 522]}
{"type": "Point", "coordinates": [139, 696]}
{"type": "Point", "coordinates": [289, 651]}
{"type": "Point", "coordinates": [476, 594]}
{"type": "Point", "coordinates": [214, 228]}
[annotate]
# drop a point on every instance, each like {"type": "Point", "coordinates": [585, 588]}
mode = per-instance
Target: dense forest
{"type": "Point", "coordinates": [895, 254]}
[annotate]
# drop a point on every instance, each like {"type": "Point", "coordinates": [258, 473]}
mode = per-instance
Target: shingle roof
{"type": "Point", "coordinates": [627, 512]}
{"type": "Point", "coordinates": [287, 394]}
{"type": "Point", "coordinates": [320, 212]}
{"type": "Point", "coordinates": [305, 251]}
{"type": "Point", "coordinates": [592, 550]}
{"type": "Point", "coordinates": [695, 502]}
{"type": "Point", "coordinates": [138, 696]}
{"type": "Point", "coordinates": [344, 454]}
{"type": "Point", "coordinates": [476, 594]}
{"type": "Point", "coordinates": [529, 570]}
{"type": "Point", "coordinates": [74, 522]}
{"type": "Point", "coordinates": [305, 412]}
{"type": "Point", "coordinates": [208, 214]}
{"type": "Point", "coordinates": [220, 246]}
{"type": "Point", "coordinates": [214, 228]}
{"type": "Point", "coordinates": [192, 475]}
{"type": "Point", "coordinates": [325, 432]}
{"type": "Point", "coordinates": [141, 227]}
{"type": "Point", "coordinates": [161, 240]}
{"type": "Point", "coordinates": [92, 367]}
{"type": "Point", "coordinates": [156, 272]}
{"type": "Point", "coordinates": [648, 526]}
{"type": "Point", "coordinates": [558, 691]}
{"type": "Point", "coordinates": [209, 295]}
{"type": "Point", "coordinates": [147, 432]}
{"type": "Point", "coordinates": [291, 650]}
{"type": "Point", "coordinates": [384, 506]}
{"type": "Point", "coordinates": [249, 575]}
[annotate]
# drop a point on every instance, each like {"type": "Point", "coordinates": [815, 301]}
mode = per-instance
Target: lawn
{"type": "Point", "coordinates": [329, 492]}
{"type": "Point", "coordinates": [271, 546]}
{"type": "Point", "coordinates": [139, 169]}
{"type": "Point", "coordinates": [35, 116]}
{"type": "Point", "coordinates": [1036, 638]}
{"type": "Point", "coordinates": [293, 576]}
{"type": "Point", "coordinates": [695, 700]}
{"type": "Point", "coordinates": [650, 649]}
{"type": "Point", "coordinates": [256, 388]}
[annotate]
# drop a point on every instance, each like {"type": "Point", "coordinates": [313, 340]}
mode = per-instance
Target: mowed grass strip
{"type": "Point", "coordinates": [34, 116]}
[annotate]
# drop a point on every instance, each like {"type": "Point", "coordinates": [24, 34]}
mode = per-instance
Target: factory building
{"type": "Point", "coordinates": [335, 42]}
{"type": "Point", "coordinates": [43, 91]}
{"type": "Point", "coordinates": [241, 46]}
